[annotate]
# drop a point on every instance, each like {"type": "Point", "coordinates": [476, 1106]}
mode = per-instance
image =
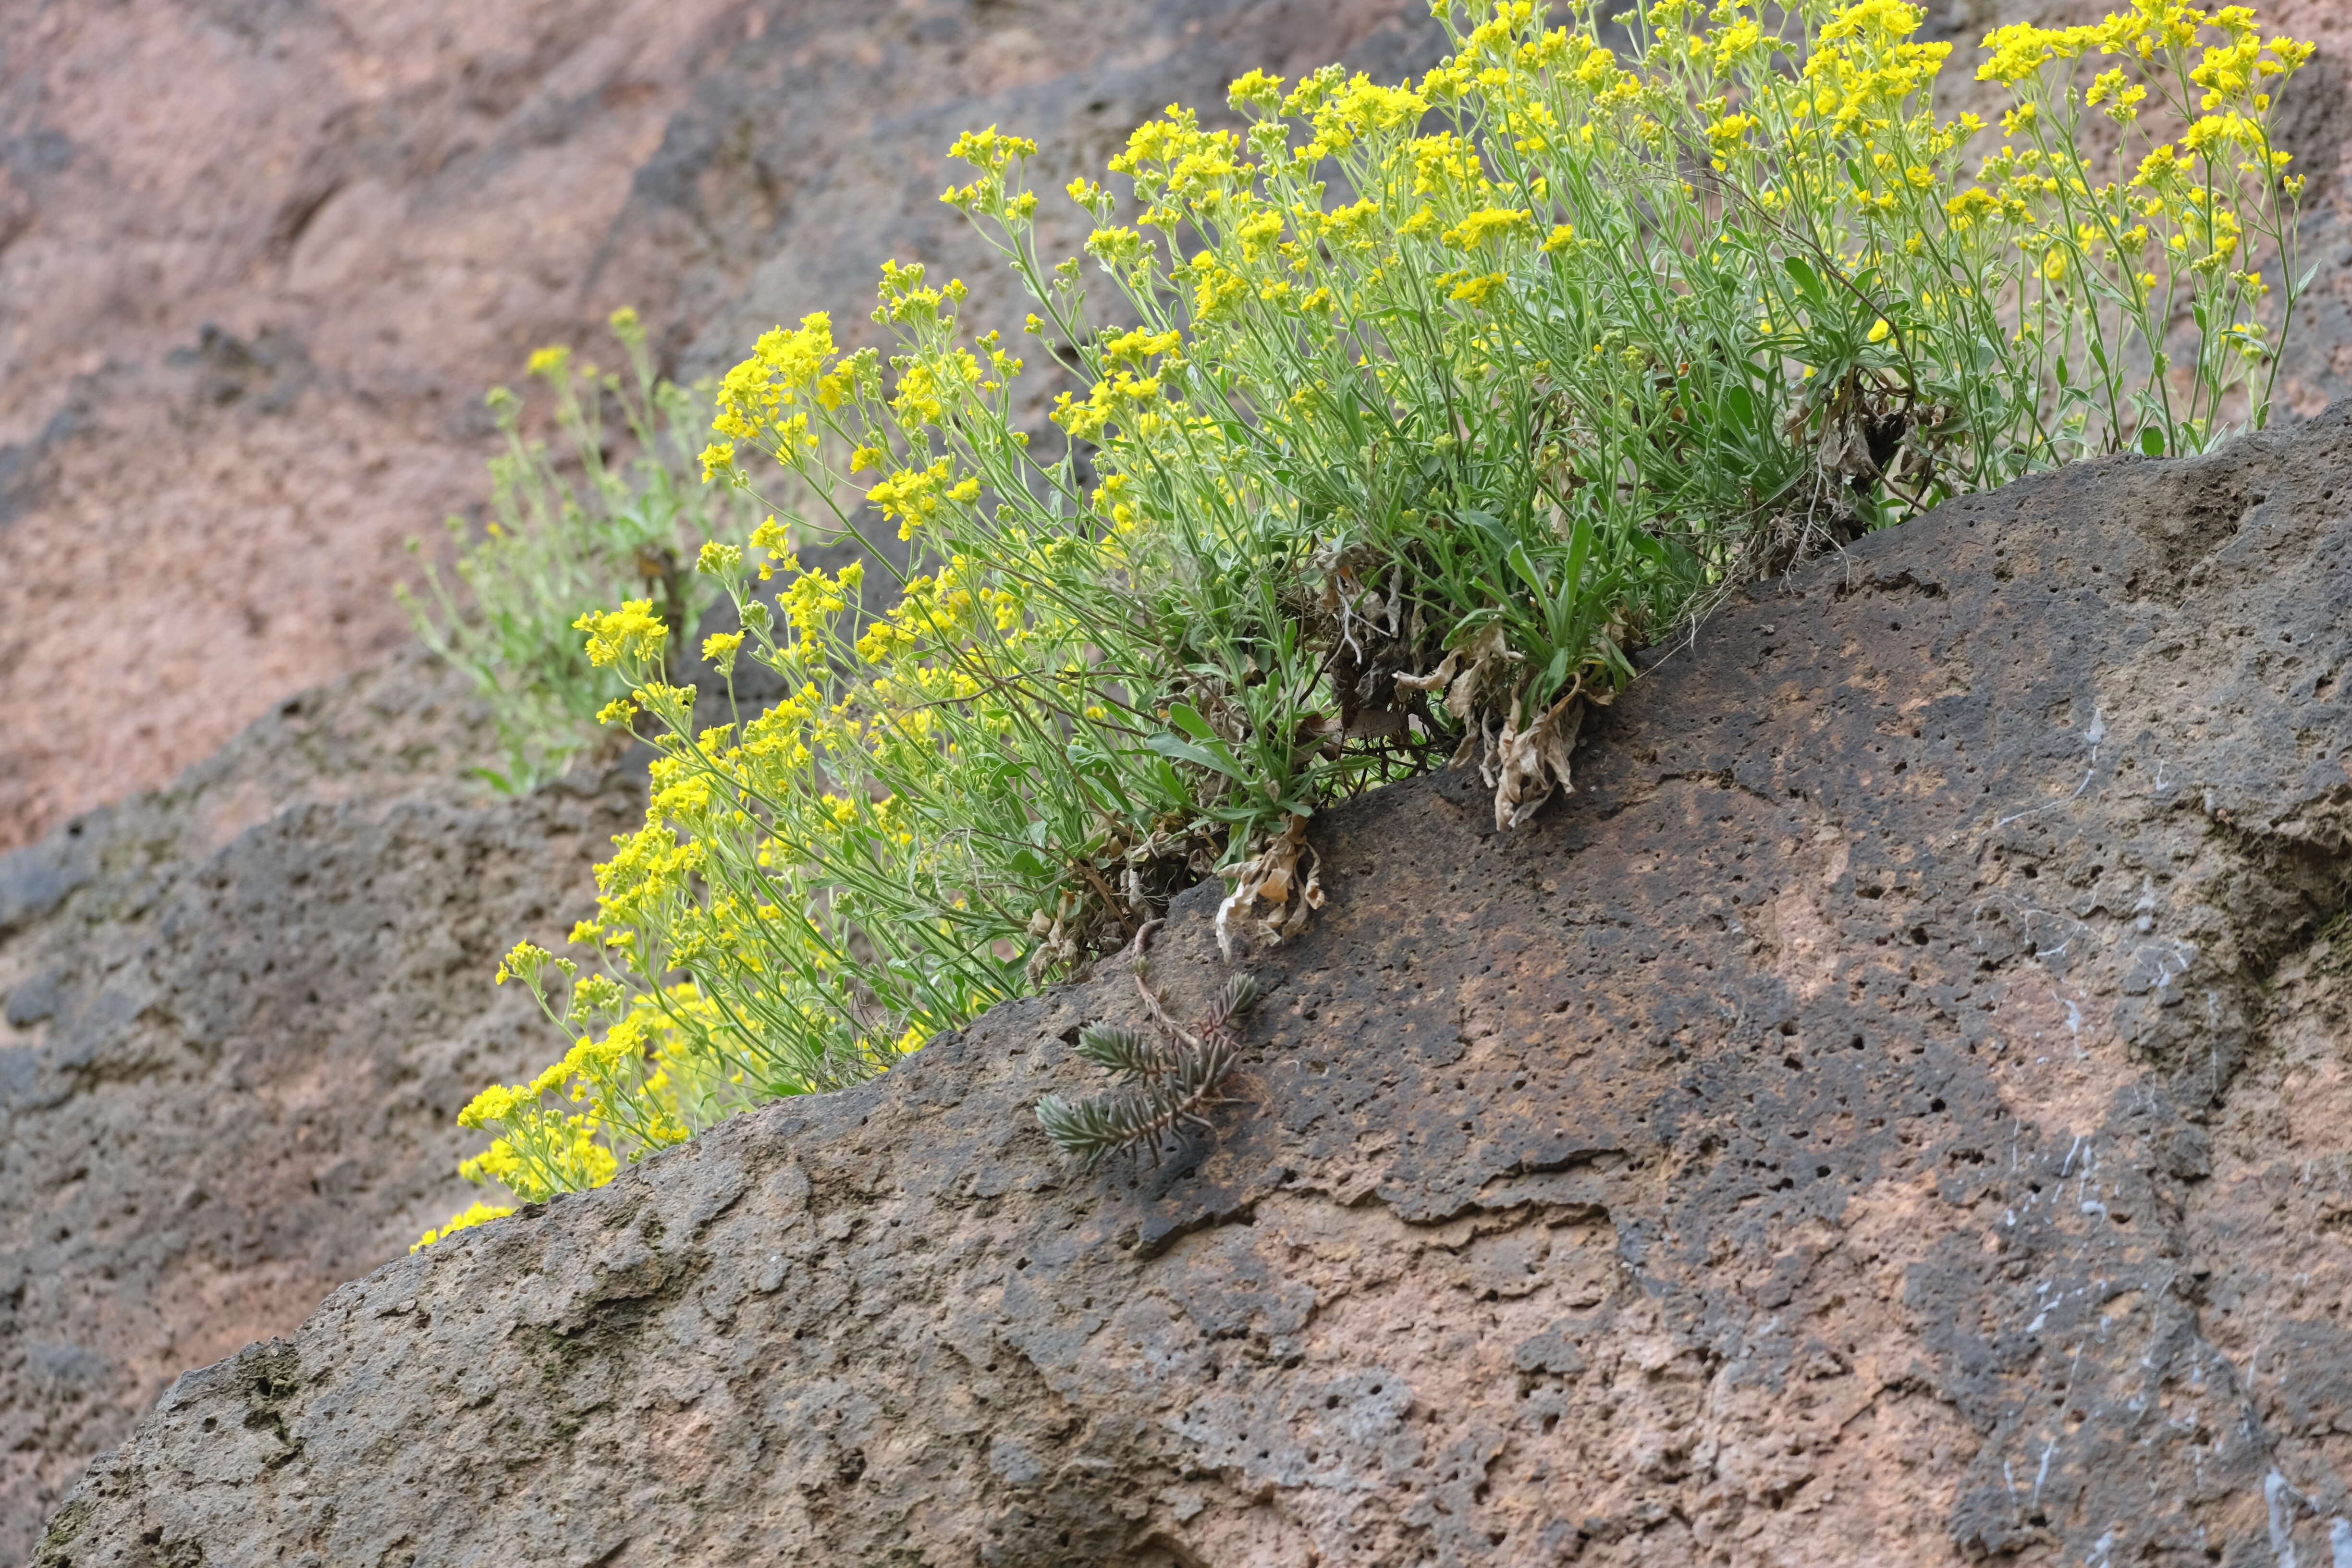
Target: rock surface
{"type": "Point", "coordinates": [1897, 1112]}
{"type": "Point", "coordinates": [236, 1019]}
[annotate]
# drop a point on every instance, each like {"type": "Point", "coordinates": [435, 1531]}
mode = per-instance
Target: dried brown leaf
{"type": "Point", "coordinates": [1273, 875]}
{"type": "Point", "coordinates": [1529, 765]}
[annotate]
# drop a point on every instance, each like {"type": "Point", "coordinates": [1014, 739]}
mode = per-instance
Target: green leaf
{"type": "Point", "coordinates": [1807, 281]}
{"type": "Point", "coordinates": [2151, 441]}
{"type": "Point", "coordinates": [1579, 550]}
{"type": "Point", "coordinates": [1216, 759]}
{"type": "Point", "coordinates": [1486, 522]}
{"type": "Point", "coordinates": [1526, 568]}
{"type": "Point", "coordinates": [1738, 406]}
{"type": "Point", "coordinates": [1189, 721]}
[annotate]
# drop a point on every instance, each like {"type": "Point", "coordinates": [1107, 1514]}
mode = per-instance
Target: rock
{"type": "Point", "coordinates": [1895, 1112]}
{"type": "Point", "coordinates": [252, 360]}
{"type": "Point", "coordinates": [232, 1038]}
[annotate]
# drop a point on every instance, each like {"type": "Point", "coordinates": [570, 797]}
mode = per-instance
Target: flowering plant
{"type": "Point", "coordinates": [1424, 406]}
{"type": "Point", "coordinates": [568, 535]}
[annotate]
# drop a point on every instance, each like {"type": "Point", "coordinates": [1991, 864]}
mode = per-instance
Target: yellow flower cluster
{"type": "Point", "coordinates": [786, 370]}
{"type": "Point", "coordinates": [1125, 395]}
{"type": "Point", "coordinates": [994, 156]}
{"type": "Point", "coordinates": [473, 1215]}
{"type": "Point", "coordinates": [912, 496]}
{"type": "Point", "coordinates": [633, 632]}
{"type": "Point", "coordinates": [1584, 319]}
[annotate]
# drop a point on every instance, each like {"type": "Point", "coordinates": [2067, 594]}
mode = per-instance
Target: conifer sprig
{"type": "Point", "coordinates": [1167, 1078]}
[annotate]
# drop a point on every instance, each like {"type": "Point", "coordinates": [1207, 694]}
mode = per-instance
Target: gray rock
{"type": "Point", "coordinates": [240, 1015]}
{"type": "Point", "coordinates": [1895, 1112]}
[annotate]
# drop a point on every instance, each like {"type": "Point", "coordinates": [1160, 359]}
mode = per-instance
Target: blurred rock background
{"type": "Point", "coordinates": [259, 259]}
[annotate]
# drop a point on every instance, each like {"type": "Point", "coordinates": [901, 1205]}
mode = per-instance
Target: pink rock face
{"type": "Point", "coordinates": [259, 263]}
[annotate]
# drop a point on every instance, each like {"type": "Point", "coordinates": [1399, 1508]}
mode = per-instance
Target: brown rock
{"type": "Point", "coordinates": [1893, 1113]}
{"type": "Point", "coordinates": [236, 1018]}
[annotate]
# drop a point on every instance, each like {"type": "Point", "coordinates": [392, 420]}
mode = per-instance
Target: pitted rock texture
{"type": "Point", "coordinates": [236, 1018]}
{"type": "Point", "coordinates": [1895, 1112]}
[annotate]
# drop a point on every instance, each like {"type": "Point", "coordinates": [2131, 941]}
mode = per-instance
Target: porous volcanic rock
{"type": "Point", "coordinates": [236, 1018]}
{"type": "Point", "coordinates": [1895, 1112]}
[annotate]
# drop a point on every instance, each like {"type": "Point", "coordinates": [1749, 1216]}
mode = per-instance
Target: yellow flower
{"type": "Point", "coordinates": [1475, 291]}
{"type": "Point", "coordinates": [776, 540]}
{"type": "Point", "coordinates": [1971, 207]}
{"type": "Point", "coordinates": [990, 152]}
{"type": "Point", "coordinates": [1255, 90]}
{"type": "Point", "coordinates": [1726, 133]}
{"type": "Point", "coordinates": [2159, 169]}
{"type": "Point", "coordinates": [720, 648]}
{"type": "Point", "coordinates": [1135, 347]}
{"type": "Point", "coordinates": [1496, 224]}
{"type": "Point", "coordinates": [1735, 42]}
{"type": "Point", "coordinates": [631, 632]}
{"type": "Point", "coordinates": [476, 1214]}
{"type": "Point", "coordinates": [1114, 247]}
